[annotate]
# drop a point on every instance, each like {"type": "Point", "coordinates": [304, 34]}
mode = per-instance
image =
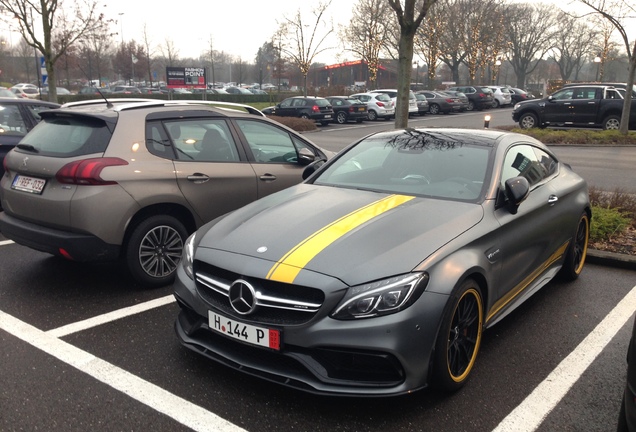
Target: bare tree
{"type": "Point", "coordinates": [62, 25]}
{"type": "Point", "coordinates": [147, 49]}
{"type": "Point", "coordinates": [571, 45]}
{"type": "Point", "coordinates": [615, 12]}
{"type": "Point", "coordinates": [409, 18]}
{"type": "Point", "coordinates": [451, 37]}
{"type": "Point", "coordinates": [605, 47]}
{"type": "Point", "coordinates": [530, 32]}
{"type": "Point", "coordinates": [170, 52]}
{"type": "Point", "coordinates": [301, 47]}
{"type": "Point", "coordinates": [367, 32]}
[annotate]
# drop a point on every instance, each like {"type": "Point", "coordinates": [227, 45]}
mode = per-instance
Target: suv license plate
{"type": "Point", "coordinates": [250, 334]}
{"type": "Point", "coordinates": [28, 184]}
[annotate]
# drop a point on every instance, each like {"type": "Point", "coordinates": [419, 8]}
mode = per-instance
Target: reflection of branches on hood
{"type": "Point", "coordinates": [412, 139]}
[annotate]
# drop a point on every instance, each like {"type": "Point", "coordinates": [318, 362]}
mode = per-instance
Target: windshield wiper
{"type": "Point", "coordinates": [28, 147]}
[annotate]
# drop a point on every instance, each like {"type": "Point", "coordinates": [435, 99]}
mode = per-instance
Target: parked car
{"type": "Point", "coordinates": [459, 95]}
{"type": "Point", "coordinates": [24, 85]}
{"type": "Point", "coordinates": [422, 104]}
{"type": "Point", "coordinates": [582, 106]}
{"type": "Point", "coordinates": [479, 97]}
{"type": "Point", "coordinates": [501, 96]}
{"type": "Point", "coordinates": [379, 105]}
{"type": "Point", "coordinates": [124, 89]}
{"type": "Point", "coordinates": [17, 117]}
{"type": "Point", "coordinates": [84, 186]}
{"type": "Point", "coordinates": [89, 90]}
{"type": "Point", "coordinates": [517, 95]}
{"type": "Point", "coordinates": [26, 92]}
{"type": "Point", "coordinates": [393, 95]}
{"type": "Point", "coordinates": [348, 108]}
{"type": "Point", "coordinates": [61, 91]}
{"type": "Point", "coordinates": [6, 93]}
{"type": "Point", "coordinates": [627, 416]}
{"type": "Point", "coordinates": [310, 107]}
{"type": "Point", "coordinates": [396, 255]}
{"type": "Point", "coordinates": [238, 90]}
{"type": "Point", "coordinates": [440, 102]}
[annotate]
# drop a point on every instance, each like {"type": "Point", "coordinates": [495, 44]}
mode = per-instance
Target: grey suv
{"type": "Point", "coordinates": [99, 181]}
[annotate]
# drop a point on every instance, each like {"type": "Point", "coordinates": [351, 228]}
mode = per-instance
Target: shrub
{"type": "Point", "coordinates": [296, 123]}
{"type": "Point", "coordinates": [606, 222]}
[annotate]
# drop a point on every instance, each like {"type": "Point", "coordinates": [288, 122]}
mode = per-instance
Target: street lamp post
{"type": "Point", "coordinates": [417, 72]}
{"type": "Point", "coordinates": [597, 60]}
{"type": "Point", "coordinates": [495, 78]}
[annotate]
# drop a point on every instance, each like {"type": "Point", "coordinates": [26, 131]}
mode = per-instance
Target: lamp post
{"type": "Point", "coordinates": [495, 78]}
{"type": "Point", "coordinates": [417, 72]}
{"type": "Point", "coordinates": [597, 60]}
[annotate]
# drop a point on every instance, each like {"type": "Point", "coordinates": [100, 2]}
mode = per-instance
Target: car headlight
{"type": "Point", "coordinates": [188, 256]}
{"type": "Point", "coordinates": [516, 107]}
{"type": "Point", "coordinates": [382, 297]}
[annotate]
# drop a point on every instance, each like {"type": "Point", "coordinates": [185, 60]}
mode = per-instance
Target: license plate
{"type": "Point", "coordinates": [28, 184]}
{"type": "Point", "coordinates": [327, 115]}
{"type": "Point", "coordinates": [390, 111]}
{"type": "Point", "coordinates": [362, 109]}
{"type": "Point", "coordinates": [261, 336]}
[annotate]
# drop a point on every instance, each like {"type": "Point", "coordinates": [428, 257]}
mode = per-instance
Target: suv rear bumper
{"type": "Point", "coordinates": [74, 246]}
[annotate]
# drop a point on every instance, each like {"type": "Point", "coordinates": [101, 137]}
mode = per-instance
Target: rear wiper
{"type": "Point", "coordinates": [28, 147]}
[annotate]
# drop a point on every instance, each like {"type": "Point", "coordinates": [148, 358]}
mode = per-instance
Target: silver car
{"type": "Point", "coordinates": [100, 181]}
{"type": "Point", "coordinates": [379, 105]}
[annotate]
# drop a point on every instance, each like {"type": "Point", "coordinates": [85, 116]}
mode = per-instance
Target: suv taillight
{"type": "Point", "coordinates": [87, 171]}
{"type": "Point", "coordinates": [315, 108]}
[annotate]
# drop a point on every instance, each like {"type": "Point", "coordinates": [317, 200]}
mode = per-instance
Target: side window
{"type": "Point", "coordinates": [286, 103]}
{"type": "Point", "coordinates": [526, 161]}
{"type": "Point", "coordinates": [298, 102]}
{"type": "Point", "coordinates": [202, 140]}
{"type": "Point", "coordinates": [563, 94]}
{"type": "Point", "coordinates": [11, 122]}
{"type": "Point", "coordinates": [157, 141]}
{"type": "Point", "coordinates": [269, 144]}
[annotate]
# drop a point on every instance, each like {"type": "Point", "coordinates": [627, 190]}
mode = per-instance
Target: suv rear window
{"type": "Point", "coordinates": [321, 102]}
{"type": "Point", "coordinates": [68, 136]}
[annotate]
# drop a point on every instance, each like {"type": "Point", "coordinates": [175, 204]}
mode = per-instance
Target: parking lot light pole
{"type": "Point", "coordinates": [597, 60]}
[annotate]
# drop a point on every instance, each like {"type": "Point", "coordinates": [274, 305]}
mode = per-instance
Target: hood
{"type": "Point", "coordinates": [351, 235]}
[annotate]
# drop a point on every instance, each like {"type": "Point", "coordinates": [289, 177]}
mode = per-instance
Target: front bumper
{"type": "Point", "coordinates": [382, 356]}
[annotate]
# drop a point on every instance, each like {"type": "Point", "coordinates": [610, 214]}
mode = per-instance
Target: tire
{"type": "Point", "coordinates": [612, 122]}
{"type": "Point", "coordinates": [459, 337]}
{"type": "Point", "coordinates": [341, 117]}
{"type": "Point", "coordinates": [577, 250]}
{"type": "Point", "coordinates": [154, 248]}
{"type": "Point", "coordinates": [433, 109]}
{"type": "Point", "coordinates": [372, 115]}
{"type": "Point", "coordinates": [304, 116]}
{"type": "Point", "coordinates": [471, 106]}
{"type": "Point", "coordinates": [496, 104]}
{"type": "Point", "coordinates": [528, 120]}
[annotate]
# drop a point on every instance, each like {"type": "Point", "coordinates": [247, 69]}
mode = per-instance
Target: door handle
{"type": "Point", "coordinates": [198, 178]}
{"type": "Point", "coordinates": [268, 177]}
{"type": "Point", "coordinates": [552, 199]}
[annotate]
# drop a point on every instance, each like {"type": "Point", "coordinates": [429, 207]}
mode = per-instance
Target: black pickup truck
{"type": "Point", "coordinates": [583, 106]}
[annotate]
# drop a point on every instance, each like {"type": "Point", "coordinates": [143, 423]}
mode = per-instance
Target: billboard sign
{"type": "Point", "coordinates": [186, 77]}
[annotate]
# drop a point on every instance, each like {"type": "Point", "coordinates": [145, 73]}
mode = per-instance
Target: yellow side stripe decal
{"type": "Point", "coordinates": [288, 267]}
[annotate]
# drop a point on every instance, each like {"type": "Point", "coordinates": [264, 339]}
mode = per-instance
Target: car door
{"type": "Point", "coordinates": [285, 108]}
{"type": "Point", "coordinates": [585, 105]}
{"type": "Point", "coordinates": [559, 107]}
{"type": "Point", "coordinates": [211, 170]}
{"type": "Point", "coordinates": [275, 155]}
{"type": "Point", "coordinates": [530, 240]}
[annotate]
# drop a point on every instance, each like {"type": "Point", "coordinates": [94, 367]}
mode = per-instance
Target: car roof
{"type": "Point", "coordinates": [124, 104]}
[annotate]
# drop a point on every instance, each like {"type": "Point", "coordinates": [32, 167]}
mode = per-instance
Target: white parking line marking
{"type": "Point", "coordinates": [536, 407]}
{"type": "Point", "coordinates": [155, 397]}
{"type": "Point", "coordinates": [111, 316]}
{"type": "Point", "coordinates": [6, 242]}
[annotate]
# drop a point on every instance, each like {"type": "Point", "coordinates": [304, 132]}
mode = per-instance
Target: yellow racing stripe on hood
{"type": "Point", "coordinates": [288, 267]}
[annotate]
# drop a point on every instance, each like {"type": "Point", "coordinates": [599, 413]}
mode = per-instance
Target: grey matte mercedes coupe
{"type": "Point", "coordinates": [378, 274]}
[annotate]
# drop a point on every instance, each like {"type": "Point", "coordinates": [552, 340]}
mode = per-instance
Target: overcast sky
{"type": "Point", "coordinates": [238, 27]}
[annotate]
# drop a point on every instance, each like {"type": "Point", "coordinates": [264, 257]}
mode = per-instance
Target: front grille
{"type": "Point", "coordinates": [278, 303]}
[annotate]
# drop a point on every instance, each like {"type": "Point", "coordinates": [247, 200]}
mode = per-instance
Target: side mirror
{"type": "Point", "coordinates": [517, 190]}
{"type": "Point", "coordinates": [551, 99]}
{"type": "Point", "coordinates": [312, 168]}
{"type": "Point", "coordinates": [305, 156]}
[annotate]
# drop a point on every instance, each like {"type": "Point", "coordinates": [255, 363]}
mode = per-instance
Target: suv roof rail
{"type": "Point", "coordinates": [135, 103]}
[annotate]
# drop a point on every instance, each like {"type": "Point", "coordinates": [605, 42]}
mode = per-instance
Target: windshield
{"type": "Point", "coordinates": [413, 162]}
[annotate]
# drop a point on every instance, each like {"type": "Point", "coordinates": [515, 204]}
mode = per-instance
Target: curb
{"type": "Point", "coordinates": [611, 259]}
